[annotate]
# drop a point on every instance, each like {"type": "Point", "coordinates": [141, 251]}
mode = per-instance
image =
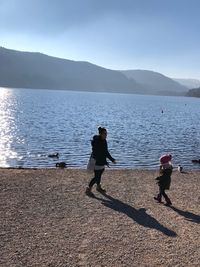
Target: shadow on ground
{"type": "Point", "coordinates": [138, 215]}
{"type": "Point", "coordinates": [188, 215]}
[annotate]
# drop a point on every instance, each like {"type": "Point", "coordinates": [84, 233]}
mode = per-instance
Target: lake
{"type": "Point", "coordinates": [36, 123]}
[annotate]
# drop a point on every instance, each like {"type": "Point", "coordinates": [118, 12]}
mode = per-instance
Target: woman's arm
{"type": "Point", "coordinates": [108, 154]}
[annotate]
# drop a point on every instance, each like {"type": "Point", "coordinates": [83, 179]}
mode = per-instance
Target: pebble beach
{"type": "Point", "coordinates": [46, 219]}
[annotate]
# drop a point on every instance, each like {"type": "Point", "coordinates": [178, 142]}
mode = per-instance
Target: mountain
{"type": "Point", "coordinates": [189, 83]}
{"type": "Point", "coordinates": [36, 70]}
{"type": "Point", "coordinates": [194, 92]}
{"type": "Point", "coordinates": [156, 83]}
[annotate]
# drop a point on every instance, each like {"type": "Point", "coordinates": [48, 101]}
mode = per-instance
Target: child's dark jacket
{"type": "Point", "coordinates": [164, 180]}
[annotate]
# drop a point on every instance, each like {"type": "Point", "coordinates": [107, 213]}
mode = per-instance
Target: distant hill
{"type": "Point", "coordinates": [36, 70]}
{"type": "Point", "coordinates": [156, 83]}
{"type": "Point", "coordinates": [189, 83]}
{"type": "Point", "coordinates": [194, 92]}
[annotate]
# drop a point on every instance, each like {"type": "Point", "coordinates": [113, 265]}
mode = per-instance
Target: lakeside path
{"type": "Point", "coordinates": [47, 220]}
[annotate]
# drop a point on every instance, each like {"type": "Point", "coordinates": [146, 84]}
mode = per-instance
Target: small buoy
{"type": "Point", "coordinates": [61, 164]}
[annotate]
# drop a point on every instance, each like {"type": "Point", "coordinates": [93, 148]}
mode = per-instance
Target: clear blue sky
{"type": "Point", "coordinates": [159, 35]}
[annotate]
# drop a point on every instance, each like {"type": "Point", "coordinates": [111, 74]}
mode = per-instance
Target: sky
{"type": "Point", "coordinates": [157, 35]}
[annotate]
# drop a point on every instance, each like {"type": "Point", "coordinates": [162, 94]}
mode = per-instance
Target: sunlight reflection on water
{"type": "Point", "coordinates": [7, 125]}
{"type": "Point", "coordinates": [35, 123]}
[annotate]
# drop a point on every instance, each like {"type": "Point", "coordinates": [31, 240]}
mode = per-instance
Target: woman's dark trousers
{"type": "Point", "coordinates": [97, 178]}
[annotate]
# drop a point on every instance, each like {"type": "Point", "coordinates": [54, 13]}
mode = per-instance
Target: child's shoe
{"type": "Point", "coordinates": [168, 202]}
{"type": "Point", "coordinates": [158, 198]}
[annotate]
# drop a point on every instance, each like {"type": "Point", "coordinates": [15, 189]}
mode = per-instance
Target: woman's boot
{"type": "Point", "coordinates": [100, 189]}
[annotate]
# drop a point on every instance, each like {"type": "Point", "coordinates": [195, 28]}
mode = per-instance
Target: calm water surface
{"type": "Point", "coordinates": [36, 123]}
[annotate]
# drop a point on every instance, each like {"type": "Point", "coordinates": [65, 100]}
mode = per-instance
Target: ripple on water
{"type": "Point", "coordinates": [35, 123]}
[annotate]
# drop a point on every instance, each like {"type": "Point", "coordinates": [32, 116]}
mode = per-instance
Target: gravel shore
{"type": "Point", "coordinates": [47, 220]}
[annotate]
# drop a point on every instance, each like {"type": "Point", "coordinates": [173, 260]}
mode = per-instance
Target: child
{"type": "Point", "coordinates": [164, 180]}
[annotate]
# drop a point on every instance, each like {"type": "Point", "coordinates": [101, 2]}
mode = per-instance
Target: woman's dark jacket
{"type": "Point", "coordinates": [100, 150]}
{"type": "Point", "coordinates": [164, 180]}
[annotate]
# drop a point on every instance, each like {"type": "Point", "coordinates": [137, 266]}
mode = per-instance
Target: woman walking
{"type": "Point", "coordinates": [100, 154]}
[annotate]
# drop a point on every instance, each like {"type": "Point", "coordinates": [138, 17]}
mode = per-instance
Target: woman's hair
{"type": "Point", "coordinates": [101, 130]}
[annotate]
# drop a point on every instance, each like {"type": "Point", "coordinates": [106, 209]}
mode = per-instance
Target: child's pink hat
{"type": "Point", "coordinates": [165, 158]}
